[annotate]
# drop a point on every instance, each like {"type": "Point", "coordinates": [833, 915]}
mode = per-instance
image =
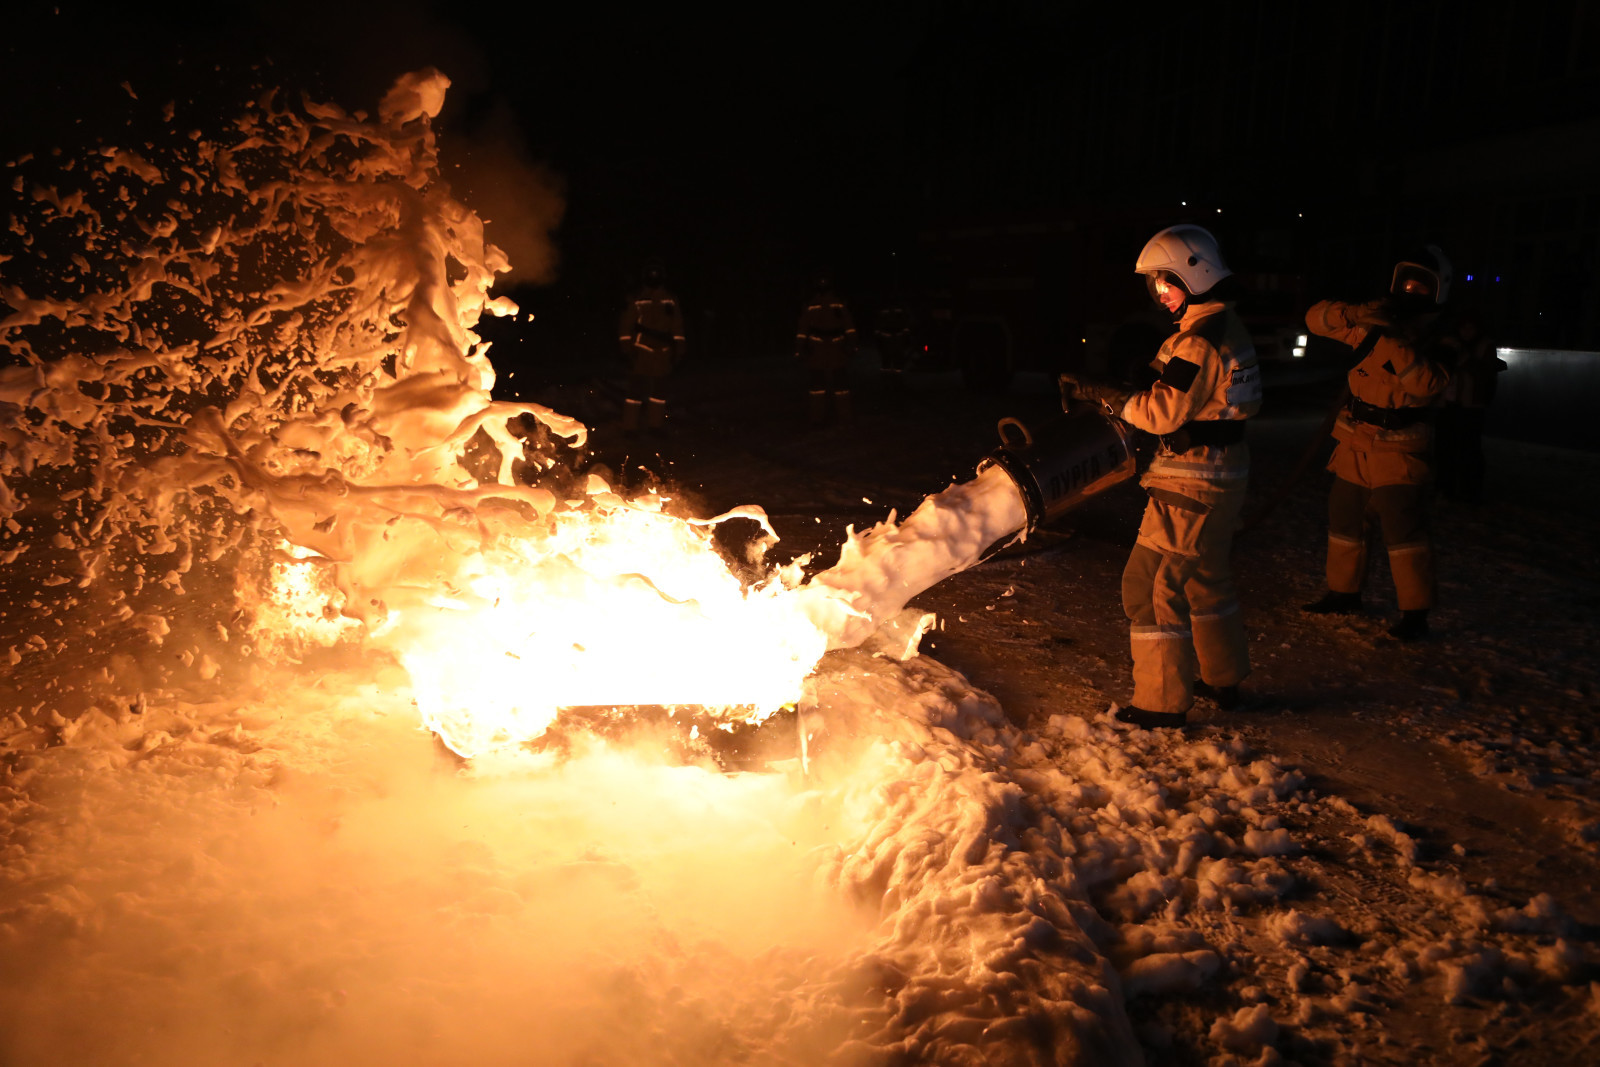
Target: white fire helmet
{"type": "Point", "coordinates": [1189, 253]}
{"type": "Point", "coordinates": [1427, 274]}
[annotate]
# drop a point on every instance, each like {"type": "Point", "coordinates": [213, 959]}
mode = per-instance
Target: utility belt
{"type": "Point", "coordinates": [657, 335]}
{"type": "Point", "coordinates": [1387, 418]}
{"type": "Point", "coordinates": [827, 335]}
{"type": "Point", "coordinates": [1203, 432]}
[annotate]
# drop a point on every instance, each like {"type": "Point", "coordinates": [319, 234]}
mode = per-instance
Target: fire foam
{"type": "Point", "coordinates": [330, 408]}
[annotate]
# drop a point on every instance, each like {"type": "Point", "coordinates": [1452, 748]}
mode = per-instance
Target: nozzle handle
{"type": "Point", "coordinates": [1012, 423]}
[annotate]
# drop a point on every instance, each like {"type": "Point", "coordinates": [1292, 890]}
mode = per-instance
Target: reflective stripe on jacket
{"type": "Point", "coordinates": [1393, 375]}
{"type": "Point", "coordinates": [1208, 372]}
{"type": "Point", "coordinates": [652, 320]}
{"type": "Point", "coordinates": [826, 335]}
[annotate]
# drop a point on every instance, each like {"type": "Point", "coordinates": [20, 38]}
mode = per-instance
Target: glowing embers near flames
{"type": "Point", "coordinates": [613, 605]}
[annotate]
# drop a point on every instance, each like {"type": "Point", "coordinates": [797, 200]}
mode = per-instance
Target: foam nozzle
{"type": "Point", "coordinates": [1058, 464]}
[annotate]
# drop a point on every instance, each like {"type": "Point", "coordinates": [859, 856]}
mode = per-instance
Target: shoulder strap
{"type": "Point", "coordinates": [1368, 343]}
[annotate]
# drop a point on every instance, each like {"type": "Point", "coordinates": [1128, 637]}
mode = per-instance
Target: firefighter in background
{"type": "Point", "coordinates": [891, 331]}
{"type": "Point", "coordinates": [1185, 630]}
{"type": "Point", "coordinates": [1380, 463]}
{"type": "Point", "coordinates": [1475, 368]}
{"type": "Point", "coordinates": [651, 338]}
{"type": "Point", "coordinates": [824, 342]}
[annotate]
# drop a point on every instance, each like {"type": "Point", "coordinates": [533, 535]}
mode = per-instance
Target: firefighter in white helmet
{"type": "Point", "coordinates": [1384, 435]}
{"type": "Point", "coordinates": [1185, 630]}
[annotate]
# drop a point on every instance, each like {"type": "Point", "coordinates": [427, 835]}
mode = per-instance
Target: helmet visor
{"type": "Point", "coordinates": [1416, 282]}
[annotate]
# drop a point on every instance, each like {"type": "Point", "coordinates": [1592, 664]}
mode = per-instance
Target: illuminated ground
{"type": "Point", "coordinates": [1480, 743]}
{"type": "Point", "coordinates": [273, 865]}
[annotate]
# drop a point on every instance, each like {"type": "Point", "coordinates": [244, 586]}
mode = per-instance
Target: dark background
{"type": "Point", "coordinates": [934, 149]}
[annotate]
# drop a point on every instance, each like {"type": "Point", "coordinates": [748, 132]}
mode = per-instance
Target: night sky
{"type": "Point", "coordinates": [747, 148]}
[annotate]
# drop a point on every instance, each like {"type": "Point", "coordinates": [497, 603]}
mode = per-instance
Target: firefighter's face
{"type": "Point", "coordinates": [1167, 295]}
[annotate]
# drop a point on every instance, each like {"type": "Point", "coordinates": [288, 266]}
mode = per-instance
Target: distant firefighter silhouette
{"type": "Point", "coordinates": [825, 342]}
{"type": "Point", "coordinates": [1475, 369]}
{"type": "Point", "coordinates": [891, 332]}
{"type": "Point", "coordinates": [652, 342]}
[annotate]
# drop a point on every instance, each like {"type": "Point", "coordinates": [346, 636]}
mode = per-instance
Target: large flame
{"type": "Point", "coordinates": [616, 604]}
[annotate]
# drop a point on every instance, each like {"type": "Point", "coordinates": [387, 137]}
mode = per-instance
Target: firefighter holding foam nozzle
{"type": "Point", "coordinates": [1381, 461]}
{"type": "Point", "coordinates": [1185, 630]}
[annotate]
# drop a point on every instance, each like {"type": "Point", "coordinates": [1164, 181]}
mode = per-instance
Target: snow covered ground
{"type": "Point", "coordinates": [1445, 781]}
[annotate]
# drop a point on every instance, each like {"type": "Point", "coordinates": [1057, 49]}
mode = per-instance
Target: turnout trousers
{"type": "Point", "coordinates": [824, 382]}
{"type": "Point", "coordinates": [647, 395]}
{"type": "Point", "coordinates": [1398, 511]}
{"type": "Point", "coordinates": [1178, 594]}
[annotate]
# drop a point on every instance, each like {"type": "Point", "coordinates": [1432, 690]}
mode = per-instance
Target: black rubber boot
{"type": "Point", "coordinates": [1226, 697]}
{"type": "Point", "coordinates": [1151, 720]}
{"type": "Point", "coordinates": [1334, 604]}
{"type": "Point", "coordinates": [1413, 626]}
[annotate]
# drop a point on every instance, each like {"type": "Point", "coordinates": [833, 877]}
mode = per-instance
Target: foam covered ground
{"type": "Point", "coordinates": [298, 874]}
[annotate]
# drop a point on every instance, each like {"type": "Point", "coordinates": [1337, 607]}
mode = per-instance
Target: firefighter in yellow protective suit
{"type": "Point", "coordinates": [651, 338]}
{"type": "Point", "coordinates": [1185, 630]}
{"type": "Point", "coordinates": [825, 342]}
{"type": "Point", "coordinates": [1381, 461]}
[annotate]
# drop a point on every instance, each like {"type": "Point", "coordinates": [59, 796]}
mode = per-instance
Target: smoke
{"type": "Point", "coordinates": [520, 200]}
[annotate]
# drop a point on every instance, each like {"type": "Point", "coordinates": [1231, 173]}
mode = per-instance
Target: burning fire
{"type": "Point", "coordinates": [207, 413]}
{"type": "Point", "coordinates": [617, 603]}
{"type": "Point", "coordinates": [350, 390]}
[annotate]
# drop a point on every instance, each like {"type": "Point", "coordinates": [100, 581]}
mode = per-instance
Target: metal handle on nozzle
{"type": "Point", "coordinates": [1012, 423]}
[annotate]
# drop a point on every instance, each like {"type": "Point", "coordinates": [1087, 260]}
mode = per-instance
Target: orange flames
{"type": "Point", "coordinates": [613, 604]}
{"type": "Point", "coordinates": [619, 605]}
